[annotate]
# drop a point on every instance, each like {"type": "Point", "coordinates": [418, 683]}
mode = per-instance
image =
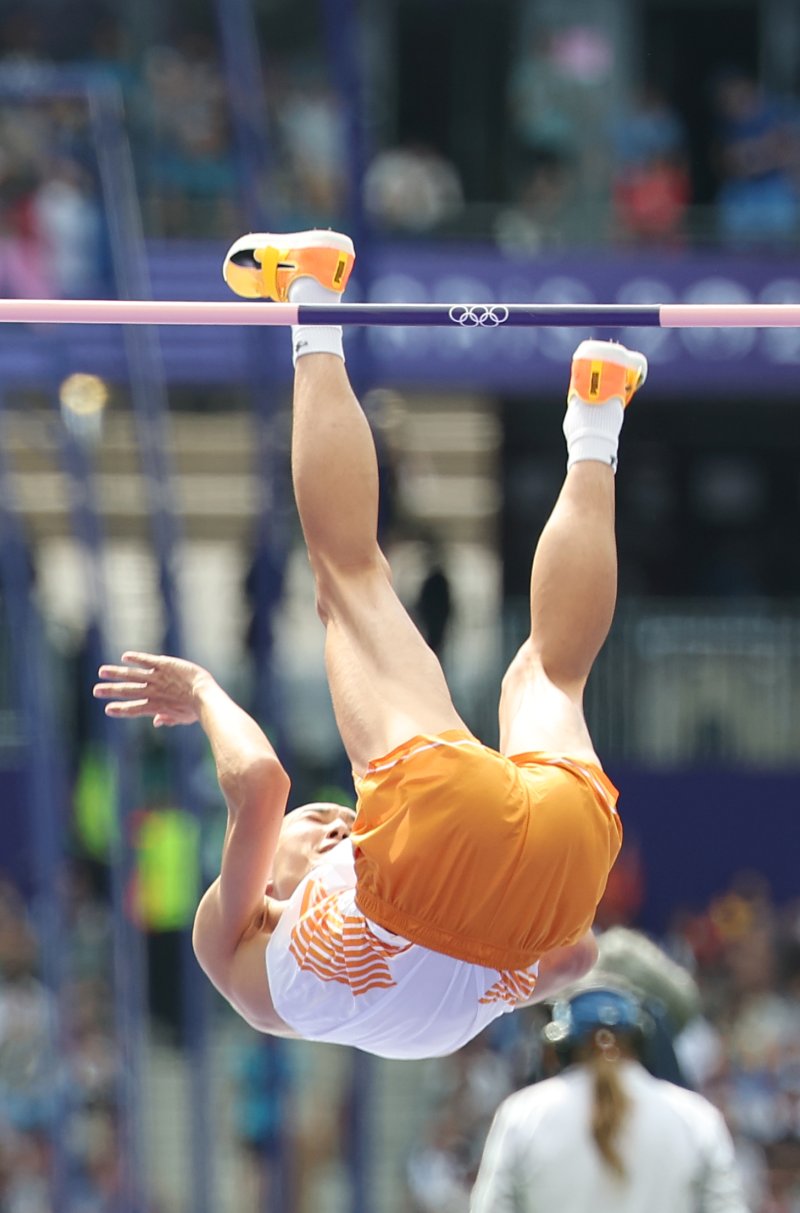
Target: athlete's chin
{"type": "Point", "coordinates": [287, 881]}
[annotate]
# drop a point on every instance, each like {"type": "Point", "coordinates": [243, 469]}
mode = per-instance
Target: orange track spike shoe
{"type": "Point", "coordinates": [263, 265]}
{"type": "Point", "coordinates": [606, 370]}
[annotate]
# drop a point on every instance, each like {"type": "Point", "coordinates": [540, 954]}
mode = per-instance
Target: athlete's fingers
{"type": "Point", "coordinates": [150, 661]}
{"type": "Point", "coordinates": [121, 671]}
{"type": "Point", "coordinates": [130, 708]}
{"type": "Point", "coordinates": [114, 690]}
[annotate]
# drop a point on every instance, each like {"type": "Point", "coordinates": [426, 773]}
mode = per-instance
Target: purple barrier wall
{"type": "Point", "coordinates": [714, 362]}
{"type": "Point", "coordinates": [695, 830]}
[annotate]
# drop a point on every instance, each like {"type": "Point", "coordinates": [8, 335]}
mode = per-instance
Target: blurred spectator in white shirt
{"type": "Point", "coordinates": [605, 1136]}
{"type": "Point", "coordinates": [69, 226]}
{"type": "Point", "coordinates": [413, 189]}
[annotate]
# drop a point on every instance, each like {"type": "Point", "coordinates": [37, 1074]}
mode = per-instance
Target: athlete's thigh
{"type": "Point", "coordinates": [535, 714]}
{"type": "Point", "coordinates": [386, 683]}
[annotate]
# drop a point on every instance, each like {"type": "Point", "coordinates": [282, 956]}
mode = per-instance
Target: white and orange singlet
{"type": "Point", "coordinates": [464, 868]}
{"type": "Point", "coordinates": [335, 976]}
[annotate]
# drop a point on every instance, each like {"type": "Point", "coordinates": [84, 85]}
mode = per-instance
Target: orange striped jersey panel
{"type": "Point", "coordinates": [512, 987]}
{"type": "Point", "coordinates": [340, 947]}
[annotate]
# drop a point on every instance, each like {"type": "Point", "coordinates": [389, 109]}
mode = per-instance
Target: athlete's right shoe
{"type": "Point", "coordinates": [605, 370]}
{"type": "Point", "coordinates": [263, 265]}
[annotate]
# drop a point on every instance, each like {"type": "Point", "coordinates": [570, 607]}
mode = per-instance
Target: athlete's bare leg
{"type": "Point", "coordinates": [386, 684]}
{"type": "Point", "coordinates": [573, 594]}
{"type": "Point", "coordinates": [574, 574]}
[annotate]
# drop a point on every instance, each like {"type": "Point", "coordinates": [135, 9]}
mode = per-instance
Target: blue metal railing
{"type": "Point", "coordinates": [46, 787]}
{"type": "Point", "coordinates": [150, 410]}
{"type": "Point", "coordinates": [129, 962]}
{"type": "Point", "coordinates": [254, 154]}
{"type": "Point", "coordinates": [148, 395]}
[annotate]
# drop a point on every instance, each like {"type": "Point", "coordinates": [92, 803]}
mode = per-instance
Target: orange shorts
{"type": "Point", "coordinates": [489, 859]}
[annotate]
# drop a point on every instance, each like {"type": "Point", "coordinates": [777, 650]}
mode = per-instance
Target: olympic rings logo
{"type": "Point", "coordinates": [478, 315]}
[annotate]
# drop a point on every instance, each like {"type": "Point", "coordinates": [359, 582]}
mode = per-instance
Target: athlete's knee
{"type": "Point", "coordinates": [340, 586]}
{"type": "Point", "coordinates": [521, 671]}
{"type": "Point", "coordinates": [341, 553]}
{"type": "Point", "coordinates": [531, 666]}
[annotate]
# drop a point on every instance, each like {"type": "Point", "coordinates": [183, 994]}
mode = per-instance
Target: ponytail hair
{"type": "Point", "coordinates": [595, 1028]}
{"type": "Point", "coordinates": [610, 1104]}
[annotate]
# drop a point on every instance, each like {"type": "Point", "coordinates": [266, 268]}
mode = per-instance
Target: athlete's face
{"type": "Point", "coordinates": [306, 836]}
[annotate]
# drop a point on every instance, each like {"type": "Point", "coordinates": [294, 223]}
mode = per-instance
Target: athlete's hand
{"type": "Point", "coordinates": [149, 685]}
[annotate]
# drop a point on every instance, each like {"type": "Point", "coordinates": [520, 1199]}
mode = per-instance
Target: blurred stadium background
{"type": "Point", "coordinates": [606, 150]}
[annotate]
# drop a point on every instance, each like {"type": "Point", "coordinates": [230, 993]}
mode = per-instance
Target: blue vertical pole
{"type": "Point", "coordinates": [244, 79]}
{"type": "Point", "coordinates": [150, 410]}
{"type": "Point", "coordinates": [46, 783]}
{"type": "Point", "coordinates": [244, 76]}
{"type": "Point", "coordinates": [343, 35]}
{"type": "Point", "coordinates": [129, 967]}
{"type": "Point", "coordinates": [31, 88]}
{"type": "Point", "coordinates": [344, 39]}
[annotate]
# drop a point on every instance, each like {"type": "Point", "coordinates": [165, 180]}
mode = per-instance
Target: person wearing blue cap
{"type": "Point", "coordinates": [605, 1136]}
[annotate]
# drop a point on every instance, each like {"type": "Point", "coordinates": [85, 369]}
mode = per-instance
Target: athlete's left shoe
{"type": "Point", "coordinates": [263, 265]}
{"type": "Point", "coordinates": [606, 370]}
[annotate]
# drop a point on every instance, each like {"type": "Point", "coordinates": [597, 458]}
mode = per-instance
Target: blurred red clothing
{"type": "Point", "coordinates": [651, 200]}
{"type": "Point", "coordinates": [625, 890]}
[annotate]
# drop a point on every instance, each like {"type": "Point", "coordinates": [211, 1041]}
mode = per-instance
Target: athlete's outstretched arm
{"type": "Point", "coordinates": [252, 780]}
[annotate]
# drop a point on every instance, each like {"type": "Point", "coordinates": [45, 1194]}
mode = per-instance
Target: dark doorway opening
{"type": "Point", "coordinates": [685, 47]}
{"type": "Point", "coordinates": [452, 73]}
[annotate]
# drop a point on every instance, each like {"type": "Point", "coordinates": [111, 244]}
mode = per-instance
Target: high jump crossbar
{"type": "Point", "coordinates": [458, 315]}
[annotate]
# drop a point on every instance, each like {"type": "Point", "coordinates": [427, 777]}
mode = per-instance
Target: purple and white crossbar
{"type": "Point", "coordinates": [459, 315]}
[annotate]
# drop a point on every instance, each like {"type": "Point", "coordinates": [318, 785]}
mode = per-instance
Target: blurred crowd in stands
{"type": "Point", "coordinates": [577, 171]}
{"type": "Point", "coordinates": [742, 1053]}
{"type": "Point", "coordinates": [60, 1067]}
{"type": "Point", "coordinates": [60, 1074]}
{"type": "Point", "coordinates": [579, 168]}
{"type": "Point", "coordinates": [51, 227]}
{"type": "Point", "coordinates": [624, 173]}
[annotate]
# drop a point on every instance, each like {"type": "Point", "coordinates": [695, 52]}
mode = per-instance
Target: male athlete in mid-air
{"type": "Point", "coordinates": [466, 881]}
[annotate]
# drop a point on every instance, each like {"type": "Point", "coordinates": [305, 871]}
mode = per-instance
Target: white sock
{"type": "Point", "coordinates": [592, 432]}
{"type": "Point", "coordinates": [314, 338]}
